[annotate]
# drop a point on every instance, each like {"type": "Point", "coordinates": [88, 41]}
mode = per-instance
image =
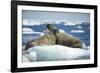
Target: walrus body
{"type": "Point", "coordinates": [68, 40]}
{"type": "Point", "coordinates": [47, 39]}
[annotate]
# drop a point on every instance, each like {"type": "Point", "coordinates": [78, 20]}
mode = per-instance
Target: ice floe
{"type": "Point", "coordinates": [55, 53]}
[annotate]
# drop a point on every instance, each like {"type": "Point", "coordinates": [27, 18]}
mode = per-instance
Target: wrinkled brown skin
{"type": "Point", "coordinates": [47, 39]}
{"type": "Point", "coordinates": [68, 40]}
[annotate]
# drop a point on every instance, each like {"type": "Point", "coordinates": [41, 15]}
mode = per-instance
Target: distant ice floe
{"type": "Point", "coordinates": [30, 31]}
{"type": "Point", "coordinates": [56, 53]}
{"type": "Point", "coordinates": [70, 24]}
{"type": "Point", "coordinates": [31, 22]}
{"type": "Point", "coordinates": [38, 33]}
{"type": "Point", "coordinates": [77, 31]}
{"type": "Point", "coordinates": [79, 27]}
{"type": "Point", "coordinates": [27, 30]}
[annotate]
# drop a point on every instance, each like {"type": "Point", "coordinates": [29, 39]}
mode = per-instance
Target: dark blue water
{"type": "Point", "coordinates": [84, 37]}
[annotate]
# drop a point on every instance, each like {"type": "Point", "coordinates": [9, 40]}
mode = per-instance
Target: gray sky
{"type": "Point", "coordinates": [45, 15]}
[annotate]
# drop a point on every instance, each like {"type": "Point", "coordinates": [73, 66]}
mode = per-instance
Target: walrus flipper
{"type": "Point", "coordinates": [28, 45]}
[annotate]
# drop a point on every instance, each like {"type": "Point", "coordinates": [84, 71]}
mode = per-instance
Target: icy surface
{"type": "Point", "coordinates": [55, 53]}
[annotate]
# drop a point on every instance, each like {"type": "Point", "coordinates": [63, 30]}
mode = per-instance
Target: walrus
{"type": "Point", "coordinates": [48, 39]}
{"type": "Point", "coordinates": [67, 40]}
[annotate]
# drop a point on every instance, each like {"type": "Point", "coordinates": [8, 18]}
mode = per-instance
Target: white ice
{"type": "Point", "coordinates": [55, 53]}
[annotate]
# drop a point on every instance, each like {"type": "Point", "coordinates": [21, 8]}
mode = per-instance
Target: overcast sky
{"type": "Point", "coordinates": [45, 15]}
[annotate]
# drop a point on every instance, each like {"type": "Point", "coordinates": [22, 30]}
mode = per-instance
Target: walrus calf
{"type": "Point", "coordinates": [67, 40]}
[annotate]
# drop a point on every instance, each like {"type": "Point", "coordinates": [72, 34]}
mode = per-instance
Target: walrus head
{"type": "Point", "coordinates": [52, 29]}
{"type": "Point", "coordinates": [50, 26]}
